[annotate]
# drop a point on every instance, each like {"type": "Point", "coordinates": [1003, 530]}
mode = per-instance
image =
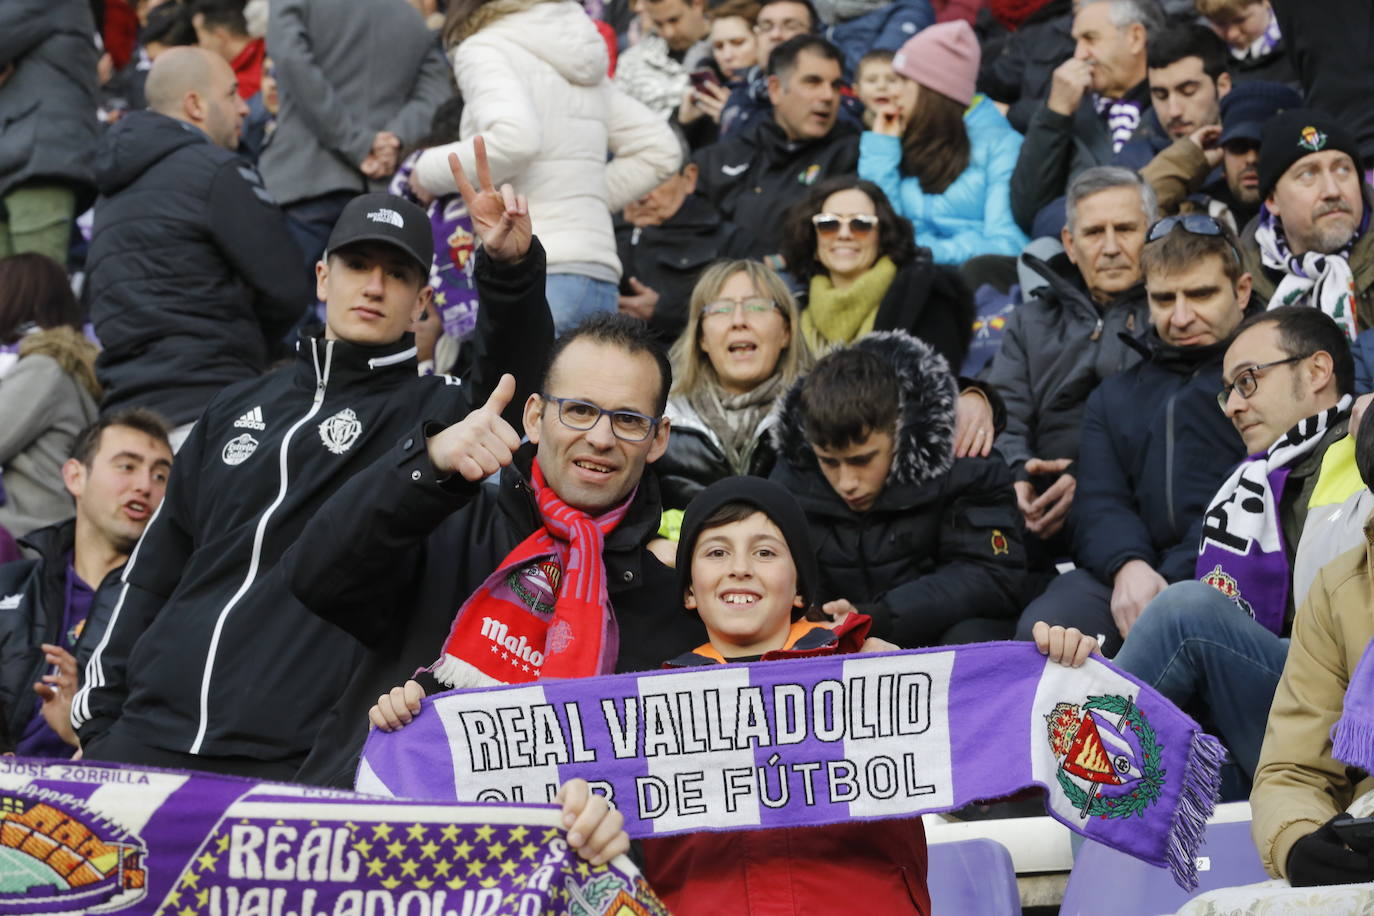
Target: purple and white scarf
{"type": "Point", "coordinates": [1242, 553]}
{"type": "Point", "coordinates": [1262, 45]}
{"type": "Point", "coordinates": [1123, 118]}
{"type": "Point", "coordinates": [1352, 737]}
{"type": "Point", "coordinates": [806, 742]}
{"type": "Point", "coordinates": [1321, 280]}
{"type": "Point", "coordinates": [88, 837]}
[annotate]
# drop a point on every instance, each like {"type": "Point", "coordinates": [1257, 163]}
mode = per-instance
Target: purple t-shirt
{"type": "Point", "coordinates": [38, 739]}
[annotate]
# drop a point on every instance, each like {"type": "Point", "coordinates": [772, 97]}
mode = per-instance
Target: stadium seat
{"type": "Point", "coordinates": [1105, 880]}
{"type": "Point", "coordinates": [972, 878]}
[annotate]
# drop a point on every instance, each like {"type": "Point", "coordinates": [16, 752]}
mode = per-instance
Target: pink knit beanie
{"type": "Point", "coordinates": [943, 57]}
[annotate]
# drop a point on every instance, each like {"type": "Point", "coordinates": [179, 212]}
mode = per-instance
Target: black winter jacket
{"type": "Point", "coordinates": [1155, 449]}
{"type": "Point", "coordinates": [1328, 43]}
{"type": "Point", "coordinates": [193, 277]}
{"type": "Point", "coordinates": [753, 178]}
{"type": "Point", "coordinates": [942, 544]}
{"type": "Point", "coordinates": [1057, 148]}
{"type": "Point", "coordinates": [695, 458]}
{"type": "Point", "coordinates": [208, 652]}
{"type": "Point", "coordinates": [928, 301]}
{"type": "Point", "coordinates": [393, 556]}
{"type": "Point", "coordinates": [1020, 71]}
{"type": "Point", "coordinates": [669, 258]}
{"type": "Point", "coordinates": [32, 604]}
{"type": "Point", "coordinates": [1057, 348]}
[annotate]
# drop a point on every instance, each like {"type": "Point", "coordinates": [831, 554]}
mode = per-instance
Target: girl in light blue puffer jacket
{"type": "Point", "coordinates": [946, 164]}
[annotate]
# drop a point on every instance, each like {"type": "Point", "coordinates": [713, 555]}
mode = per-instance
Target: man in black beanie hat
{"type": "Point", "coordinates": [1309, 244]}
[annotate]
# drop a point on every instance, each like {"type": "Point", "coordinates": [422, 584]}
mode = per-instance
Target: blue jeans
{"type": "Point", "coordinates": [1195, 646]}
{"type": "Point", "coordinates": [1075, 599]}
{"type": "Point", "coordinates": [573, 297]}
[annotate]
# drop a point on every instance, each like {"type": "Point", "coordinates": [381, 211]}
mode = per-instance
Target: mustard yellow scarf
{"type": "Point", "coordinates": [840, 316]}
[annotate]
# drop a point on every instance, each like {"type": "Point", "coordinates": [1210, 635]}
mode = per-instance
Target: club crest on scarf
{"type": "Point", "coordinates": [537, 585]}
{"type": "Point", "coordinates": [1109, 756]}
{"type": "Point", "coordinates": [1228, 586]}
{"type": "Point", "coordinates": [58, 856]}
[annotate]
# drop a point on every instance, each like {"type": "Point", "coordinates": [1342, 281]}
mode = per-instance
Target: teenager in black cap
{"type": "Point", "coordinates": [209, 661]}
{"type": "Point", "coordinates": [1311, 245]}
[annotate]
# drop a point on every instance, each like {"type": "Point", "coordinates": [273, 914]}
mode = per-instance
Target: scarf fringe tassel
{"type": "Point", "coordinates": [1351, 742]}
{"type": "Point", "coordinates": [1196, 802]}
{"type": "Point", "coordinates": [454, 673]}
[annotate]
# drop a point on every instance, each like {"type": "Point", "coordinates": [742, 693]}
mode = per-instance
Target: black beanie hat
{"type": "Point", "coordinates": [1298, 132]}
{"type": "Point", "coordinates": [773, 501]}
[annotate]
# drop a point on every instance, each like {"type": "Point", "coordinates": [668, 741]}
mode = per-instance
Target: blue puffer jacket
{"type": "Point", "coordinates": [884, 29]}
{"type": "Point", "coordinates": [973, 215]}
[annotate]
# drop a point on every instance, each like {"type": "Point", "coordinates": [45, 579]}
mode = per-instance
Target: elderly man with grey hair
{"type": "Point", "coordinates": [1065, 339]}
{"type": "Point", "coordinates": [1099, 101]}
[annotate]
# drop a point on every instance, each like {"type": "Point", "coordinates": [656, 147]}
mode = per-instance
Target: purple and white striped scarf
{"type": "Point", "coordinates": [1242, 552]}
{"type": "Point", "coordinates": [806, 742]}
{"type": "Point", "coordinates": [1123, 118]}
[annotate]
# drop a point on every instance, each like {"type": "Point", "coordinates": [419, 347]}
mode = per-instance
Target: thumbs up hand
{"type": "Point", "coordinates": [481, 443]}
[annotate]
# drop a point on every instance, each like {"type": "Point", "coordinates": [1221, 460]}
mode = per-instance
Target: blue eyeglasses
{"type": "Point", "coordinates": [627, 425]}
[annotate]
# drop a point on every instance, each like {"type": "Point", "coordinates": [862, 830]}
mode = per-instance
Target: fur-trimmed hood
{"type": "Point", "coordinates": [70, 349]}
{"type": "Point", "coordinates": [925, 419]}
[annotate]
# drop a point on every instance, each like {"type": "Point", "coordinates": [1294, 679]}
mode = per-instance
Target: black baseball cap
{"type": "Point", "coordinates": [1249, 106]}
{"type": "Point", "coordinates": [385, 218]}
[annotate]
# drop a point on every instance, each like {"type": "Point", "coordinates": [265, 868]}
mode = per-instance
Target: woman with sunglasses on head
{"type": "Point", "coordinates": [739, 351]}
{"type": "Point", "coordinates": [946, 163]}
{"type": "Point", "coordinates": [861, 271]}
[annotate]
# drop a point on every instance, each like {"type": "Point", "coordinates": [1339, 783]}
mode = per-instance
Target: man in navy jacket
{"type": "Point", "coordinates": [1154, 447]}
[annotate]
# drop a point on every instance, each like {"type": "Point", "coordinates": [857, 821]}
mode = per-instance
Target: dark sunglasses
{"type": "Point", "coordinates": [1194, 224]}
{"type": "Point", "coordinates": [860, 224]}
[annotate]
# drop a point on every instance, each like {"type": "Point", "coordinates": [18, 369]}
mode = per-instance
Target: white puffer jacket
{"type": "Point", "coordinates": [535, 87]}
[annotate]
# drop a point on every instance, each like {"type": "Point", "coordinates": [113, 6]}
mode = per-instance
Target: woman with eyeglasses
{"type": "Point", "coordinates": [946, 164]}
{"type": "Point", "coordinates": [861, 271]}
{"type": "Point", "coordinates": [738, 352]}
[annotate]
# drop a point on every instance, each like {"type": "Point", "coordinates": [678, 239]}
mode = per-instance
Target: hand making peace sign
{"type": "Point", "coordinates": [501, 219]}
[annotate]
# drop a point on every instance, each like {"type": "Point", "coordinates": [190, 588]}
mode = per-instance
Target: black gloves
{"type": "Point", "coordinates": [1322, 858]}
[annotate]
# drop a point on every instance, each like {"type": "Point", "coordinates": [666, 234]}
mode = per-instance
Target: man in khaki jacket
{"type": "Point", "coordinates": [1299, 787]}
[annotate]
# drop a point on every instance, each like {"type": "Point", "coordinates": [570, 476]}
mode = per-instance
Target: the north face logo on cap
{"type": "Point", "coordinates": [898, 61]}
{"type": "Point", "coordinates": [385, 215]}
{"type": "Point", "coordinates": [1311, 139]}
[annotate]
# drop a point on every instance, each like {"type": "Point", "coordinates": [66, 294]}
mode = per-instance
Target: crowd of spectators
{"type": "Point", "coordinates": [1046, 314]}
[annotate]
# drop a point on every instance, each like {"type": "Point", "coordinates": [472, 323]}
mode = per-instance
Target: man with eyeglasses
{"type": "Point", "coordinates": [1218, 645]}
{"type": "Point", "coordinates": [423, 562]}
{"type": "Point", "coordinates": [1154, 447]}
{"type": "Point", "coordinates": [1311, 244]}
{"type": "Point", "coordinates": [1184, 174]}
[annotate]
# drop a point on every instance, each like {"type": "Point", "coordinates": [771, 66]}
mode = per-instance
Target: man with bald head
{"type": "Point", "coordinates": [193, 275]}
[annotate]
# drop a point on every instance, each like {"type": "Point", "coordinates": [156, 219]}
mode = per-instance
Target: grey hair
{"type": "Point", "coordinates": [1102, 178]}
{"type": "Point", "coordinates": [1126, 13]}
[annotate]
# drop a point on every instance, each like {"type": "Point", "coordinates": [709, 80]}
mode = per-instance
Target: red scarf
{"type": "Point", "coordinates": [509, 633]}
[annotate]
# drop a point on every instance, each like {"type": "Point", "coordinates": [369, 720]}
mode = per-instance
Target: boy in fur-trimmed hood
{"type": "Point", "coordinates": [927, 544]}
